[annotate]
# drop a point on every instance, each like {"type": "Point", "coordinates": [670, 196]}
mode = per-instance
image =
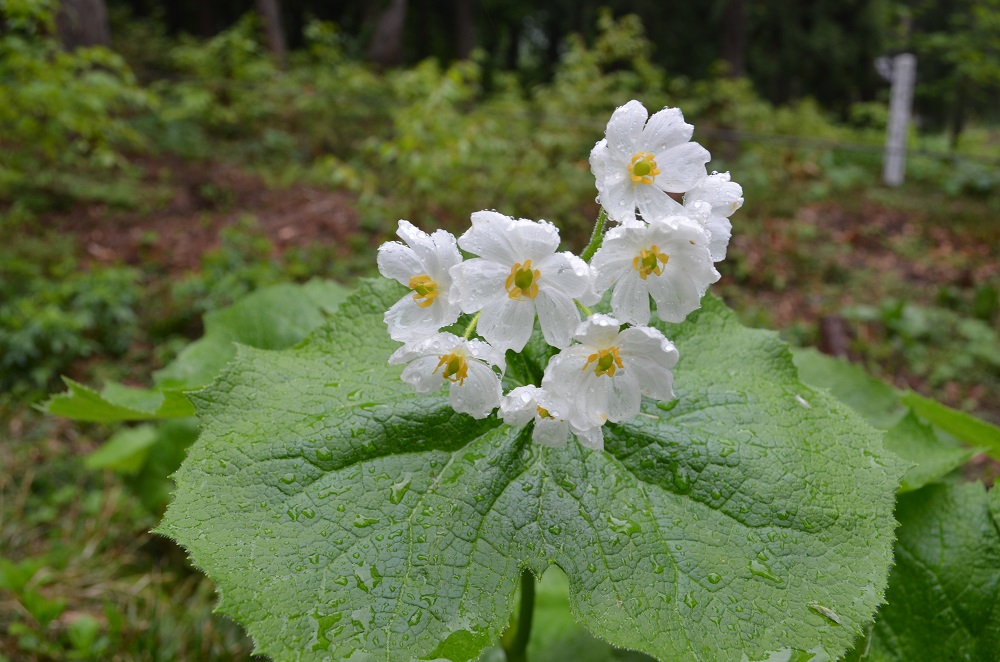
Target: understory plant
{"type": "Point", "coordinates": [381, 490]}
{"type": "Point", "coordinates": [384, 474]}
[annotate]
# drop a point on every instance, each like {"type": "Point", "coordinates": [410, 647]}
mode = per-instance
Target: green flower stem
{"type": "Point", "coordinates": [586, 311]}
{"type": "Point", "coordinates": [596, 237]}
{"type": "Point", "coordinates": [469, 330]}
{"type": "Point", "coordinates": [518, 649]}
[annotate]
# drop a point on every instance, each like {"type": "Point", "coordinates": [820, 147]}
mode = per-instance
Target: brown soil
{"type": "Point", "coordinates": [203, 199]}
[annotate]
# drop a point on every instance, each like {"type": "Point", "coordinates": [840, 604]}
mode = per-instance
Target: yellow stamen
{"type": "Point", "coordinates": [423, 288]}
{"type": "Point", "coordinates": [607, 362]}
{"type": "Point", "coordinates": [543, 412]}
{"type": "Point", "coordinates": [523, 281]}
{"type": "Point", "coordinates": [650, 261]}
{"type": "Point", "coordinates": [643, 168]}
{"type": "Point", "coordinates": [455, 368]}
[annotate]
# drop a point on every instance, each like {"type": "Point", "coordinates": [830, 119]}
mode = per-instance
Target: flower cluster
{"type": "Point", "coordinates": [662, 247]}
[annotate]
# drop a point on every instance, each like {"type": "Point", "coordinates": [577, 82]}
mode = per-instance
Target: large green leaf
{"type": "Point", "coordinates": [870, 397]}
{"type": "Point", "coordinates": [967, 428]}
{"type": "Point", "coordinates": [117, 402]}
{"type": "Point", "coordinates": [271, 318]}
{"type": "Point", "coordinates": [343, 515]}
{"type": "Point", "coordinates": [944, 591]}
{"type": "Point", "coordinates": [932, 457]}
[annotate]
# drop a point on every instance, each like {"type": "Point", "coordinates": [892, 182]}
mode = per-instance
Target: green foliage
{"type": "Point", "coordinates": [938, 343]}
{"type": "Point", "coordinates": [942, 599]}
{"type": "Point", "coordinates": [893, 410]}
{"type": "Point", "coordinates": [62, 111]}
{"type": "Point", "coordinates": [271, 318]}
{"type": "Point", "coordinates": [80, 576]}
{"type": "Point", "coordinates": [244, 262]}
{"type": "Point", "coordinates": [51, 314]}
{"type": "Point", "coordinates": [384, 523]}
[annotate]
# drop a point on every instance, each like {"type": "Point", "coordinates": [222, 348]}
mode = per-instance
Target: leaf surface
{"type": "Point", "coordinates": [932, 458]}
{"type": "Point", "coordinates": [944, 591]}
{"type": "Point", "coordinates": [342, 515]}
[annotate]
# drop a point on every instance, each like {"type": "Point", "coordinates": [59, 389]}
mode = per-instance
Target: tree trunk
{"type": "Point", "coordinates": [734, 35]}
{"type": "Point", "coordinates": [82, 23]}
{"type": "Point", "coordinates": [466, 24]}
{"type": "Point", "coordinates": [387, 41]}
{"type": "Point", "coordinates": [270, 15]}
{"type": "Point", "coordinates": [957, 123]}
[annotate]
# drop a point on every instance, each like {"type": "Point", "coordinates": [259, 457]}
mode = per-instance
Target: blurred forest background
{"type": "Point", "coordinates": [160, 161]}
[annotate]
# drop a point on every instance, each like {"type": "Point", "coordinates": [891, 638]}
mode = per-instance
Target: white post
{"type": "Point", "coordinates": [903, 76]}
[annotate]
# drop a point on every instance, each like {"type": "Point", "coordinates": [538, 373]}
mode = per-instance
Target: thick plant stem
{"type": "Point", "coordinates": [596, 237]}
{"type": "Point", "coordinates": [469, 330]}
{"type": "Point", "coordinates": [517, 651]}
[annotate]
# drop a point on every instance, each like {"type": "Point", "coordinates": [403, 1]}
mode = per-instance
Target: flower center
{"type": "Point", "coordinates": [543, 412]}
{"type": "Point", "coordinates": [523, 281]}
{"type": "Point", "coordinates": [424, 289]}
{"type": "Point", "coordinates": [643, 168]}
{"type": "Point", "coordinates": [607, 362]}
{"type": "Point", "coordinates": [650, 261]}
{"type": "Point", "coordinates": [455, 367]}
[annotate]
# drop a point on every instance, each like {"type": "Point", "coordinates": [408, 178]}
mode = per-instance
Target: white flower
{"type": "Point", "coordinates": [422, 265]}
{"type": "Point", "coordinates": [638, 163]}
{"type": "Point", "coordinates": [466, 365]}
{"type": "Point", "coordinates": [604, 376]}
{"type": "Point", "coordinates": [549, 411]}
{"type": "Point", "coordinates": [518, 274]}
{"type": "Point", "coordinates": [711, 203]}
{"type": "Point", "coordinates": [668, 259]}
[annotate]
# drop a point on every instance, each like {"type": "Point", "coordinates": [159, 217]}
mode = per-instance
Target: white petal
{"type": "Point", "coordinates": [479, 394]}
{"type": "Point", "coordinates": [598, 331]}
{"type": "Point", "coordinates": [477, 283]}
{"type": "Point", "coordinates": [664, 130]}
{"type": "Point", "coordinates": [421, 376]}
{"type": "Point", "coordinates": [419, 241]}
{"type": "Point", "coordinates": [550, 432]}
{"type": "Point", "coordinates": [399, 262]}
{"type": "Point", "coordinates": [615, 256]}
{"type": "Point", "coordinates": [444, 312]}
{"type": "Point", "coordinates": [591, 405]}
{"type": "Point", "coordinates": [721, 231]}
{"type": "Point", "coordinates": [650, 357]}
{"type": "Point", "coordinates": [564, 272]}
{"type": "Point", "coordinates": [490, 237]}
{"type": "Point", "coordinates": [507, 323]}
{"type": "Point", "coordinates": [654, 203]}
{"type": "Point", "coordinates": [437, 344]}
{"type": "Point", "coordinates": [625, 128]}
{"type": "Point", "coordinates": [566, 378]}
{"type": "Point", "coordinates": [717, 190]}
{"type": "Point", "coordinates": [592, 438]}
{"type": "Point", "coordinates": [599, 160]}
{"type": "Point", "coordinates": [675, 295]}
{"type": "Point", "coordinates": [558, 317]}
{"type": "Point", "coordinates": [624, 396]}
{"type": "Point", "coordinates": [519, 407]}
{"type": "Point", "coordinates": [482, 350]}
{"type": "Point", "coordinates": [630, 300]}
{"type": "Point", "coordinates": [533, 240]}
{"type": "Point", "coordinates": [681, 167]}
{"type": "Point", "coordinates": [446, 249]}
{"type": "Point", "coordinates": [408, 322]}
{"type": "Point", "coordinates": [618, 199]}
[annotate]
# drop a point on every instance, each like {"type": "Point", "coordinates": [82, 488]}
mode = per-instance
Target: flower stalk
{"type": "Point", "coordinates": [596, 237]}
{"type": "Point", "coordinates": [517, 650]}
